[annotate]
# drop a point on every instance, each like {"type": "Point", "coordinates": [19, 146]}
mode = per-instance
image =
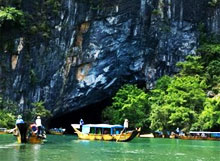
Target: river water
{"type": "Point", "coordinates": [69, 148]}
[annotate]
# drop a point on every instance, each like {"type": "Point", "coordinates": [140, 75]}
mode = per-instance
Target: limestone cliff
{"type": "Point", "coordinates": [78, 52]}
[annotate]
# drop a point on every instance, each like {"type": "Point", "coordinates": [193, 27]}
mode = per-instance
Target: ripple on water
{"type": "Point", "coordinates": [180, 154]}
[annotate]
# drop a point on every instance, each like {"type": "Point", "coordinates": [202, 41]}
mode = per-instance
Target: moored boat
{"type": "Point", "coordinates": [57, 131]}
{"type": "Point", "coordinates": [201, 135]}
{"type": "Point", "coordinates": [3, 131]}
{"type": "Point", "coordinates": [147, 135]}
{"type": "Point", "coordinates": [104, 132]}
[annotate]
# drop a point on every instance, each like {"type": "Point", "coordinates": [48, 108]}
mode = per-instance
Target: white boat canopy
{"type": "Point", "coordinates": [103, 126]}
{"type": "Point", "coordinates": [203, 132]}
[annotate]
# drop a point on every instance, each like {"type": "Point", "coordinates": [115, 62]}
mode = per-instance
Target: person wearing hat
{"type": "Point", "coordinates": [19, 120]}
{"type": "Point", "coordinates": [39, 125]}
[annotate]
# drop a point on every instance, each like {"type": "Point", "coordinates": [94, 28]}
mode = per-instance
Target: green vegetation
{"type": "Point", "coordinates": [12, 21]}
{"type": "Point", "coordinates": [7, 113]}
{"type": "Point", "coordinates": [178, 105]}
{"type": "Point", "coordinates": [33, 77]}
{"type": "Point", "coordinates": [12, 16]}
{"type": "Point", "coordinates": [156, 12]}
{"type": "Point", "coordinates": [129, 103]}
{"type": "Point", "coordinates": [40, 110]}
{"type": "Point", "coordinates": [213, 3]}
{"type": "Point", "coordinates": [210, 116]}
{"type": "Point", "coordinates": [7, 119]}
{"type": "Point", "coordinates": [189, 100]}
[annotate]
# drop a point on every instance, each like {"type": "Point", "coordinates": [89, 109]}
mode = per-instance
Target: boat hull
{"type": "Point", "coordinates": [35, 140]}
{"type": "Point", "coordinates": [107, 137]}
{"type": "Point", "coordinates": [2, 132]}
{"type": "Point", "coordinates": [198, 138]}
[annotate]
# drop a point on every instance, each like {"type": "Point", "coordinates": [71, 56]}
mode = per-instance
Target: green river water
{"type": "Point", "coordinates": [69, 148]}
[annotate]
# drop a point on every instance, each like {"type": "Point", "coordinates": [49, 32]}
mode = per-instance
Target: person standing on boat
{"type": "Point", "coordinates": [81, 123]}
{"type": "Point", "coordinates": [177, 131]}
{"type": "Point", "coordinates": [39, 125]}
{"type": "Point", "coordinates": [125, 124]}
{"type": "Point", "coordinates": [19, 120]}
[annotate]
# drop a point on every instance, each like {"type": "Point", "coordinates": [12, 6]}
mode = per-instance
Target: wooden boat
{"type": "Point", "coordinates": [98, 137]}
{"type": "Point", "coordinates": [104, 132]}
{"type": "Point", "coordinates": [34, 139]}
{"type": "Point", "coordinates": [57, 131]}
{"type": "Point", "coordinates": [26, 135]}
{"type": "Point", "coordinates": [201, 135]}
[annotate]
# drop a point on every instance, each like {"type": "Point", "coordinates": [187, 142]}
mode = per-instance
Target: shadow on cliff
{"type": "Point", "coordinates": [90, 114]}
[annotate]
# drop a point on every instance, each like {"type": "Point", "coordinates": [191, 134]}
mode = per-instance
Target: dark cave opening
{"type": "Point", "coordinates": [90, 114]}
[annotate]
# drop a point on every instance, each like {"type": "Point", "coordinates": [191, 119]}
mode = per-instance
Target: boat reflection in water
{"type": "Point", "coordinates": [104, 132]}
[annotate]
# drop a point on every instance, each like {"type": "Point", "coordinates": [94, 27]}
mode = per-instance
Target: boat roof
{"type": "Point", "coordinates": [3, 129]}
{"type": "Point", "coordinates": [103, 126]}
{"type": "Point", "coordinates": [205, 132]}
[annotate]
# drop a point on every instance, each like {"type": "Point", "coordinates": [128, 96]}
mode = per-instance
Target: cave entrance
{"type": "Point", "coordinates": [89, 114]}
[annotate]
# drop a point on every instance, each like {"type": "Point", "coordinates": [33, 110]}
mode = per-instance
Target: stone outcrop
{"type": "Point", "coordinates": [95, 46]}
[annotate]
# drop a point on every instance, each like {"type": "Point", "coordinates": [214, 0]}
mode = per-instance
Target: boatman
{"type": "Point", "coordinates": [126, 124]}
{"type": "Point", "coordinates": [39, 125]}
{"type": "Point", "coordinates": [177, 130]}
{"type": "Point", "coordinates": [81, 123]}
{"type": "Point", "coordinates": [19, 120]}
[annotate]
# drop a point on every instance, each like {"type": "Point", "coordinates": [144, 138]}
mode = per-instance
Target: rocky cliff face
{"type": "Point", "coordinates": [79, 52]}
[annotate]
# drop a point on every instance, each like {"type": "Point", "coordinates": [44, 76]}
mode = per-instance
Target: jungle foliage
{"type": "Point", "coordinates": [189, 100]}
{"type": "Point", "coordinates": [11, 17]}
{"type": "Point", "coordinates": [130, 103]}
{"type": "Point", "coordinates": [7, 113]}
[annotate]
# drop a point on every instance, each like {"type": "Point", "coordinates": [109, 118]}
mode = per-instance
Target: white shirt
{"type": "Point", "coordinates": [38, 122]}
{"type": "Point", "coordinates": [126, 124]}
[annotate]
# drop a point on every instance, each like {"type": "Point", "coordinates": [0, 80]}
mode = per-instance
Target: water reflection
{"type": "Point", "coordinates": [68, 149]}
{"type": "Point", "coordinates": [23, 152]}
{"type": "Point", "coordinates": [36, 149]}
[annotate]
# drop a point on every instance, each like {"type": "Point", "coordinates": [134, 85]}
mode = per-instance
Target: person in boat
{"type": "Point", "coordinates": [32, 131]}
{"type": "Point", "coordinates": [81, 123]}
{"type": "Point", "coordinates": [39, 126]}
{"type": "Point", "coordinates": [19, 120]}
{"type": "Point", "coordinates": [203, 135]}
{"type": "Point", "coordinates": [177, 131]}
{"type": "Point", "coordinates": [125, 124]}
{"type": "Point", "coordinates": [33, 128]}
